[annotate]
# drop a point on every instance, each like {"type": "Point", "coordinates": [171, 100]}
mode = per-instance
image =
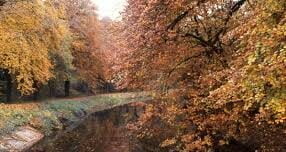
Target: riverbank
{"type": "Point", "coordinates": [53, 115]}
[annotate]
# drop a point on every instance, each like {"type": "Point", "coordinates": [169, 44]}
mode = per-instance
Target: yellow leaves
{"type": "Point", "coordinates": [29, 30]}
{"type": "Point", "coordinates": [149, 113]}
{"type": "Point", "coordinates": [196, 143]}
{"type": "Point", "coordinates": [275, 5]}
{"type": "Point", "coordinates": [79, 45]}
{"type": "Point", "coordinates": [277, 105]}
{"type": "Point", "coordinates": [264, 77]}
{"type": "Point", "coordinates": [25, 16]}
{"type": "Point", "coordinates": [172, 112]}
{"type": "Point", "coordinates": [168, 142]}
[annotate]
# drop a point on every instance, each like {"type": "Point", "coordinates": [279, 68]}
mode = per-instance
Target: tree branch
{"type": "Point", "coordinates": [198, 38]}
{"type": "Point", "coordinates": [177, 20]}
{"type": "Point", "coordinates": [182, 62]}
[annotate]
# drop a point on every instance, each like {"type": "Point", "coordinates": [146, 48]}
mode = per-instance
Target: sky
{"type": "Point", "coordinates": [110, 8]}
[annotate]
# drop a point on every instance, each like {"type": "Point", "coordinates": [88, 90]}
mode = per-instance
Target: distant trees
{"type": "Point", "coordinates": [84, 24]}
{"type": "Point", "coordinates": [114, 51]}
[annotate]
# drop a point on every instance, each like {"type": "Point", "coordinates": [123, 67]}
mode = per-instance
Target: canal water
{"type": "Point", "coordinates": [103, 131]}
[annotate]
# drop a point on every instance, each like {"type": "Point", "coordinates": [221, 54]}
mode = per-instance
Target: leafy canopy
{"type": "Point", "coordinates": [29, 31]}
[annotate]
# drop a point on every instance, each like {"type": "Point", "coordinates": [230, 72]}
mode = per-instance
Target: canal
{"type": "Point", "coordinates": [103, 131]}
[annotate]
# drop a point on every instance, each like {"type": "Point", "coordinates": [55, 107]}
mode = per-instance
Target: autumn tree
{"type": "Point", "coordinates": [50, 41]}
{"type": "Point", "coordinates": [30, 32]}
{"type": "Point", "coordinates": [85, 46]}
{"type": "Point", "coordinates": [193, 53]}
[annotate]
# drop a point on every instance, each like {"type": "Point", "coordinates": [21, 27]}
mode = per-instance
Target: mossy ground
{"type": "Point", "coordinates": [46, 115]}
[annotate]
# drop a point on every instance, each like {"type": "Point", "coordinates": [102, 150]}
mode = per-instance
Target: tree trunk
{"type": "Point", "coordinates": [67, 88]}
{"type": "Point", "coordinates": [51, 88]}
{"type": "Point", "coordinates": [36, 93]}
{"type": "Point", "coordinates": [9, 86]}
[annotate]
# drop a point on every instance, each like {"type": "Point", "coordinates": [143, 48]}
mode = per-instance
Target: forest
{"type": "Point", "coordinates": [216, 69]}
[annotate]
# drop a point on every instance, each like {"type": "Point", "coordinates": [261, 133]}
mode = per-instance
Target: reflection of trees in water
{"type": "Point", "coordinates": [102, 131]}
{"type": "Point", "coordinates": [94, 135]}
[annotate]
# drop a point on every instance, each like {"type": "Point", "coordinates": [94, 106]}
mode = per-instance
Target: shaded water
{"type": "Point", "coordinates": [102, 131]}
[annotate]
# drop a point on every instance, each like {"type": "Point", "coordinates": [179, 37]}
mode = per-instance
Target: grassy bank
{"type": "Point", "coordinates": [48, 116]}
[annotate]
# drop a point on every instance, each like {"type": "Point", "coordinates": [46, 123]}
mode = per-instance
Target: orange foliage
{"type": "Point", "coordinates": [218, 68]}
{"type": "Point", "coordinates": [85, 26]}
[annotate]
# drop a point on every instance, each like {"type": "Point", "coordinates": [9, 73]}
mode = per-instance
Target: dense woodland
{"type": "Point", "coordinates": [216, 68]}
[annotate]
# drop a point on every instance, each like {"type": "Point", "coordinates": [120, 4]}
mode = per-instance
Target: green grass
{"type": "Point", "coordinates": [46, 115]}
